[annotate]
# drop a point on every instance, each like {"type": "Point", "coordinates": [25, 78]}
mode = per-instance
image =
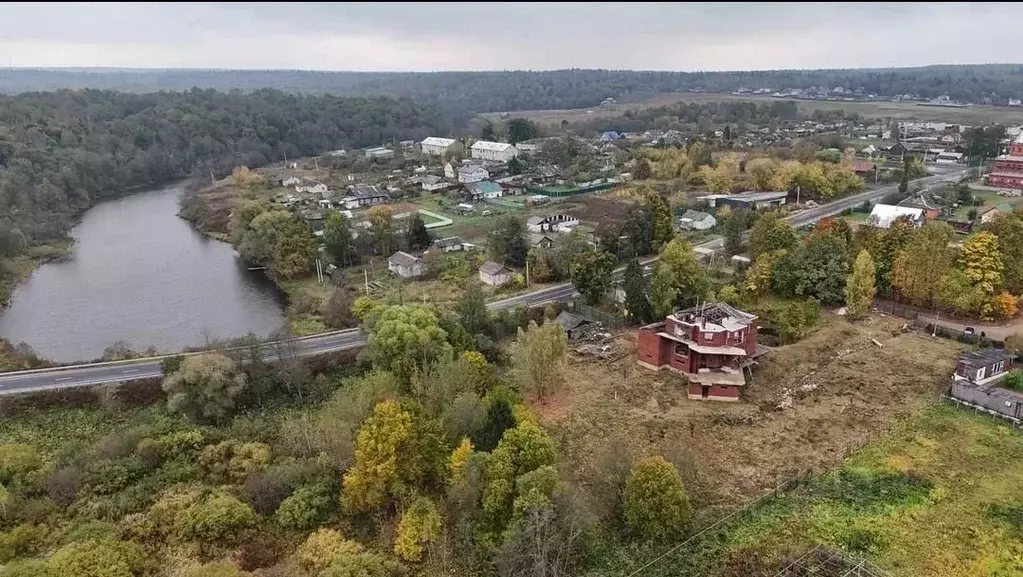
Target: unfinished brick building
{"type": "Point", "coordinates": [712, 345]}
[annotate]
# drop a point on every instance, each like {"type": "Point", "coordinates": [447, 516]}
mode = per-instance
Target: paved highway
{"type": "Point", "coordinates": [100, 373]}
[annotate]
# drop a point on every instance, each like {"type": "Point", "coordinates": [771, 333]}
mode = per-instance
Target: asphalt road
{"type": "Point", "coordinates": [123, 371]}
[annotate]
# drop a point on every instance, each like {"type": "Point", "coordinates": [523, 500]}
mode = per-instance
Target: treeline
{"type": "Point", "coordinates": [525, 90]}
{"type": "Point", "coordinates": [61, 152]}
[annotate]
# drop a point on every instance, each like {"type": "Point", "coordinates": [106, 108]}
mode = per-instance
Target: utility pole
{"type": "Point", "coordinates": [798, 190]}
{"type": "Point", "coordinates": [527, 272]}
{"type": "Point", "coordinates": [365, 276]}
{"type": "Point", "coordinates": [316, 164]}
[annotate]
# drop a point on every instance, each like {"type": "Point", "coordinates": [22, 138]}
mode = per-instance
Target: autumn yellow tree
{"type": "Point", "coordinates": [459, 457]}
{"type": "Point", "coordinates": [981, 260]}
{"type": "Point", "coordinates": [760, 173]}
{"type": "Point", "coordinates": [420, 525]}
{"type": "Point", "coordinates": [859, 288]}
{"type": "Point", "coordinates": [785, 175]}
{"type": "Point", "coordinates": [368, 483]}
{"type": "Point", "coordinates": [1001, 306]}
{"type": "Point", "coordinates": [920, 265]}
{"type": "Point", "coordinates": [758, 278]}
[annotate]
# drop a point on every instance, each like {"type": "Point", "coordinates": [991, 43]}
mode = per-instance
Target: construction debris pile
{"type": "Point", "coordinates": [589, 338]}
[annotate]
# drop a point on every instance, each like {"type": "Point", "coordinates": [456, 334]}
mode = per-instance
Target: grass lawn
{"type": "Point", "coordinates": [990, 199]}
{"type": "Point", "coordinates": [940, 495]}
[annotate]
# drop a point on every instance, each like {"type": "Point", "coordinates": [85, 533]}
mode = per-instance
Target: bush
{"type": "Point", "coordinates": [656, 505]}
{"type": "Point", "coordinates": [26, 568]}
{"type": "Point", "coordinates": [17, 462]}
{"type": "Point", "coordinates": [63, 485]}
{"type": "Point", "coordinates": [306, 508]}
{"type": "Point", "coordinates": [266, 490]}
{"type": "Point", "coordinates": [21, 541]}
{"type": "Point", "coordinates": [232, 460]}
{"type": "Point", "coordinates": [97, 559]}
{"type": "Point", "coordinates": [363, 565]}
{"type": "Point", "coordinates": [215, 569]}
{"type": "Point", "coordinates": [1014, 380]}
{"type": "Point", "coordinates": [218, 518]}
{"type": "Point", "coordinates": [323, 547]}
{"type": "Point", "coordinates": [107, 477]}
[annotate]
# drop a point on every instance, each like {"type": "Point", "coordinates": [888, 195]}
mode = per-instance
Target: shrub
{"type": "Point", "coordinates": [420, 525]}
{"type": "Point", "coordinates": [17, 462]}
{"type": "Point", "coordinates": [232, 460]}
{"type": "Point", "coordinates": [26, 568]}
{"type": "Point", "coordinates": [107, 477]}
{"type": "Point", "coordinates": [215, 569]}
{"type": "Point", "coordinates": [266, 490]}
{"type": "Point", "coordinates": [656, 505]}
{"type": "Point", "coordinates": [92, 531]}
{"type": "Point", "coordinates": [217, 518]}
{"type": "Point", "coordinates": [363, 565]}
{"type": "Point", "coordinates": [63, 485]}
{"type": "Point", "coordinates": [1014, 380]}
{"type": "Point", "coordinates": [97, 559]}
{"type": "Point", "coordinates": [323, 547]}
{"type": "Point", "coordinates": [306, 508]}
{"type": "Point", "coordinates": [22, 540]}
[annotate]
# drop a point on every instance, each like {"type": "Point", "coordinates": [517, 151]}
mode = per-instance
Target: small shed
{"type": "Point", "coordinates": [405, 265]}
{"type": "Point", "coordinates": [575, 326]}
{"type": "Point", "coordinates": [983, 366]}
{"type": "Point", "coordinates": [696, 220]}
{"type": "Point", "coordinates": [494, 274]}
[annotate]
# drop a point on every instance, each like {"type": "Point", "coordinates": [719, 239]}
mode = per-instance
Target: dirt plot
{"type": "Point", "coordinates": [594, 210]}
{"type": "Point", "coordinates": [840, 390]}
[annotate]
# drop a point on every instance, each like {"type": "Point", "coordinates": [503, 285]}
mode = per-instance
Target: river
{"type": "Point", "coordinates": [139, 274]}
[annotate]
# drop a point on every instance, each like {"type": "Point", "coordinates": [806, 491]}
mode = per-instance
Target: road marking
{"type": "Point", "coordinates": [129, 371]}
{"type": "Point", "coordinates": [64, 379]}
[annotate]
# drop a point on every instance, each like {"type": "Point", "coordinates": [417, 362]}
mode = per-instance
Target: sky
{"type": "Point", "coordinates": [507, 36]}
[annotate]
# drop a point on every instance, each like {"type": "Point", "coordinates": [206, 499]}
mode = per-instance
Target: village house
{"type": "Point", "coordinates": [469, 173]}
{"type": "Point", "coordinates": [290, 181]}
{"type": "Point", "coordinates": [975, 383]}
{"type": "Point", "coordinates": [494, 274]}
{"type": "Point", "coordinates": [543, 174]}
{"type": "Point", "coordinates": [539, 240]}
{"type": "Point", "coordinates": [753, 200]}
{"type": "Point", "coordinates": [989, 214]}
{"type": "Point", "coordinates": [556, 223]}
{"type": "Point", "coordinates": [437, 146]}
{"type": "Point", "coordinates": [696, 220]}
{"type": "Point", "coordinates": [575, 326]}
{"type": "Point", "coordinates": [483, 190]}
{"type": "Point", "coordinates": [931, 204]}
{"type": "Point", "coordinates": [360, 195]}
{"type": "Point", "coordinates": [883, 215]}
{"type": "Point", "coordinates": [710, 344]}
{"type": "Point", "coordinates": [452, 244]}
{"type": "Point", "coordinates": [498, 151]}
{"type": "Point", "coordinates": [431, 183]}
{"type": "Point", "coordinates": [405, 265]}
{"type": "Point", "coordinates": [310, 186]}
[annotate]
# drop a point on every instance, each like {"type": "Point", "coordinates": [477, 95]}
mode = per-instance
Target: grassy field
{"type": "Point", "coordinates": [886, 109]}
{"type": "Point", "coordinates": [990, 199]}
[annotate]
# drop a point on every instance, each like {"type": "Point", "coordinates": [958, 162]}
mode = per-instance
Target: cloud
{"type": "Point", "coordinates": [488, 36]}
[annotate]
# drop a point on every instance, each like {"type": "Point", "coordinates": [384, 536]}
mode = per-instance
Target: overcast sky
{"type": "Point", "coordinates": [484, 36]}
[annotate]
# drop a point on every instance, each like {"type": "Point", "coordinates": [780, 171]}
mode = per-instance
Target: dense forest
{"type": "Point", "coordinates": [61, 152]}
{"type": "Point", "coordinates": [525, 90]}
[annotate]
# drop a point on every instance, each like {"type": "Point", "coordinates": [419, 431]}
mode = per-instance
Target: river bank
{"type": "Point", "coordinates": [15, 269]}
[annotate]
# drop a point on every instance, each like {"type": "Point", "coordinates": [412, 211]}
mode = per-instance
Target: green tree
{"type": "Point", "coordinates": [920, 265]}
{"type": "Point", "coordinates": [508, 241]}
{"type": "Point", "coordinates": [420, 525]}
{"type": "Point", "coordinates": [216, 569]}
{"type": "Point", "coordinates": [524, 448]}
{"type": "Point", "coordinates": [370, 482]}
{"type": "Point", "coordinates": [859, 288]}
{"type": "Point", "coordinates": [887, 246]}
{"type": "Point", "coordinates": [981, 260]}
{"type": "Point", "coordinates": [637, 301]}
{"type": "Point", "coordinates": [363, 565]}
{"type": "Point", "coordinates": [472, 309]}
{"type": "Point", "coordinates": [418, 236]}
{"type": "Point", "coordinates": [295, 245]}
{"type": "Point", "coordinates": [258, 242]}
{"type": "Point", "coordinates": [660, 215]}
{"type": "Point", "coordinates": [487, 131]}
{"type": "Point", "coordinates": [514, 166]}
{"type": "Point", "coordinates": [241, 218]}
{"type": "Point", "coordinates": [26, 568]}
{"type": "Point", "coordinates": [641, 170]}
{"type": "Point", "coordinates": [677, 278]}
{"type": "Point", "coordinates": [97, 559]}
{"type": "Point", "coordinates": [591, 275]}
{"type": "Point", "coordinates": [337, 238]}
{"type": "Point", "coordinates": [381, 219]}
{"type": "Point", "coordinates": [520, 129]}
{"type": "Point", "coordinates": [904, 181]}
{"type": "Point", "coordinates": [735, 225]}
{"type": "Point", "coordinates": [406, 340]}
{"type": "Point", "coordinates": [499, 419]}
{"type": "Point", "coordinates": [639, 230]}
{"type": "Point", "coordinates": [958, 293]}
{"type": "Point", "coordinates": [656, 504]}
{"type": "Point", "coordinates": [205, 387]}
{"type": "Point", "coordinates": [337, 311]}
{"type": "Point", "coordinates": [770, 232]}
{"type": "Point", "coordinates": [539, 356]}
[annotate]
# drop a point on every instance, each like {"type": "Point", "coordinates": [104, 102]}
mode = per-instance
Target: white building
{"type": "Point", "coordinates": [449, 171]}
{"type": "Point", "coordinates": [436, 145]}
{"type": "Point", "coordinates": [499, 151]}
{"type": "Point", "coordinates": [495, 274]}
{"type": "Point", "coordinates": [405, 265]}
{"type": "Point", "coordinates": [884, 215]}
{"type": "Point", "coordinates": [433, 183]}
{"type": "Point", "coordinates": [472, 173]}
{"type": "Point", "coordinates": [311, 186]}
{"type": "Point", "coordinates": [379, 153]}
{"type": "Point", "coordinates": [696, 220]}
{"type": "Point", "coordinates": [291, 181]}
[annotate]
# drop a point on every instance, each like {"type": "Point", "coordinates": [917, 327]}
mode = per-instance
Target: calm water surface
{"type": "Point", "coordinates": [140, 274]}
